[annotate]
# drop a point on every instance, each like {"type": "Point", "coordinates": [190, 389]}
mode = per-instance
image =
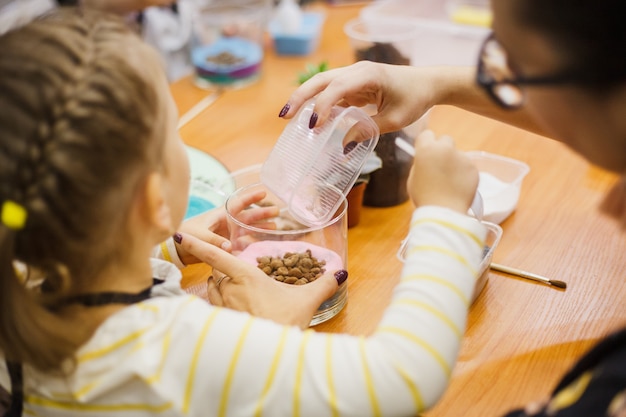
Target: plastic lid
{"type": "Point", "coordinates": [308, 169]}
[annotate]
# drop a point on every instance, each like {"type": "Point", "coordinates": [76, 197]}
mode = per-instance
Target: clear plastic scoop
{"type": "Point", "coordinates": [310, 169]}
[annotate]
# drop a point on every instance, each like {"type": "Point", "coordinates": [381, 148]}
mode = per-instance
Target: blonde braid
{"type": "Point", "coordinates": [76, 135]}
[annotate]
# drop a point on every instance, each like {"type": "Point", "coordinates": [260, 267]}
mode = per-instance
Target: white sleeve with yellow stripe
{"type": "Point", "coordinates": [167, 252]}
{"type": "Point", "coordinates": [402, 368]}
{"type": "Point", "coordinates": [179, 356]}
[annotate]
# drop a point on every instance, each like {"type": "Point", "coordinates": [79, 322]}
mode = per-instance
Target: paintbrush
{"type": "Point", "coordinates": [528, 275]}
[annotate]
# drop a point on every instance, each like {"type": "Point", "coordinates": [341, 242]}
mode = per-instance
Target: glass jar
{"type": "Point", "coordinates": [227, 47]}
{"type": "Point", "coordinates": [325, 245]}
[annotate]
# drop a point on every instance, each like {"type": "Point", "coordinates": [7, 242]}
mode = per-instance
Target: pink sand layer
{"type": "Point", "coordinates": [279, 248]}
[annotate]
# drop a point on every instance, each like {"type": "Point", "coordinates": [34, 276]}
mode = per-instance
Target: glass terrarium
{"type": "Point", "coordinates": [287, 250]}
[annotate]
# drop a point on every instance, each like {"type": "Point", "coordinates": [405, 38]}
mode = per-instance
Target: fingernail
{"type": "Point", "coordinates": [313, 120]}
{"type": "Point", "coordinates": [284, 110]}
{"type": "Point", "coordinates": [177, 238]}
{"type": "Point", "coordinates": [341, 276]}
{"type": "Point", "coordinates": [349, 147]}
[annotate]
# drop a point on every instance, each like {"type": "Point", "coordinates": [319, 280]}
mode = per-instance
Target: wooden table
{"type": "Point", "coordinates": [521, 336]}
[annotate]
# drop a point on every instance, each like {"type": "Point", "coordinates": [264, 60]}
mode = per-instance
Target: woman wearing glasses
{"type": "Point", "coordinates": [546, 63]}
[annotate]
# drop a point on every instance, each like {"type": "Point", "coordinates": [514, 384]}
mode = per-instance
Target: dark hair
{"type": "Point", "coordinates": [77, 135]}
{"type": "Point", "coordinates": [589, 35]}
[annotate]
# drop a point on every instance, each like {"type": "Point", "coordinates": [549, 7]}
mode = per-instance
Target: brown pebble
{"type": "Point", "coordinates": [291, 260]}
{"type": "Point", "coordinates": [276, 263]}
{"type": "Point", "coordinates": [295, 272]}
{"type": "Point", "coordinates": [292, 268]}
{"type": "Point", "coordinates": [263, 259]}
{"type": "Point", "coordinates": [290, 280]}
{"type": "Point", "coordinates": [305, 263]}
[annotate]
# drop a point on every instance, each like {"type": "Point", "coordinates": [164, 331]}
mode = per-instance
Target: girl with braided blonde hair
{"type": "Point", "coordinates": [94, 177]}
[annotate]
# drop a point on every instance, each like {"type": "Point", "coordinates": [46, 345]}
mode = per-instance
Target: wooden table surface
{"type": "Point", "coordinates": [521, 336]}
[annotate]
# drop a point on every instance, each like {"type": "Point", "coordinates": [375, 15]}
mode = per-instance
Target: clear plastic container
{"type": "Point", "coordinates": [500, 183]}
{"type": "Point", "coordinates": [310, 170]}
{"type": "Point", "coordinates": [441, 37]}
{"type": "Point", "coordinates": [494, 234]}
{"type": "Point", "coordinates": [391, 41]}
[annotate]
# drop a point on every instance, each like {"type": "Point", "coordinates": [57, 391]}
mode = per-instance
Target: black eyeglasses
{"type": "Point", "coordinates": [495, 75]}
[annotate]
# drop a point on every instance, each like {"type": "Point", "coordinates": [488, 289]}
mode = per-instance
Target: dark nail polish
{"type": "Point", "coordinates": [284, 110]}
{"type": "Point", "coordinates": [341, 276]}
{"type": "Point", "coordinates": [349, 147]}
{"type": "Point", "coordinates": [177, 238]}
{"type": "Point", "coordinates": [313, 120]}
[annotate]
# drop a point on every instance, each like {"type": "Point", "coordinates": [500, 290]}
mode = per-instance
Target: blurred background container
{"type": "Point", "coordinates": [418, 33]}
{"type": "Point", "coordinates": [295, 31]}
{"type": "Point", "coordinates": [390, 41]}
{"type": "Point", "coordinates": [445, 32]}
{"type": "Point", "coordinates": [227, 45]}
{"type": "Point", "coordinates": [304, 41]}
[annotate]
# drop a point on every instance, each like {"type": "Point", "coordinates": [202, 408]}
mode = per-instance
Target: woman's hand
{"type": "Point", "coordinates": [212, 226]}
{"type": "Point", "coordinates": [401, 94]}
{"type": "Point", "coordinates": [241, 286]}
{"type": "Point", "coordinates": [441, 175]}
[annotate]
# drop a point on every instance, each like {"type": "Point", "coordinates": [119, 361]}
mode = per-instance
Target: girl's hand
{"type": "Point", "coordinates": [212, 226]}
{"type": "Point", "coordinates": [245, 287]}
{"type": "Point", "coordinates": [441, 174]}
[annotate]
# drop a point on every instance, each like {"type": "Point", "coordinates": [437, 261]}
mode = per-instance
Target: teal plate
{"type": "Point", "coordinates": [206, 190]}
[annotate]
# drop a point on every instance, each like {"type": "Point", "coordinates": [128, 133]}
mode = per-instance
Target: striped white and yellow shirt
{"type": "Point", "coordinates": [176, 355]}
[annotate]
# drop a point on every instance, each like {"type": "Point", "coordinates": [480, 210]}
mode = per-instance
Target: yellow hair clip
{"type": "Point", "coordinates": [13, 215]}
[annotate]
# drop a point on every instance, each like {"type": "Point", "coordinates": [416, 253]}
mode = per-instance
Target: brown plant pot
{"type": "Point", "coordinates": [355, 202]}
